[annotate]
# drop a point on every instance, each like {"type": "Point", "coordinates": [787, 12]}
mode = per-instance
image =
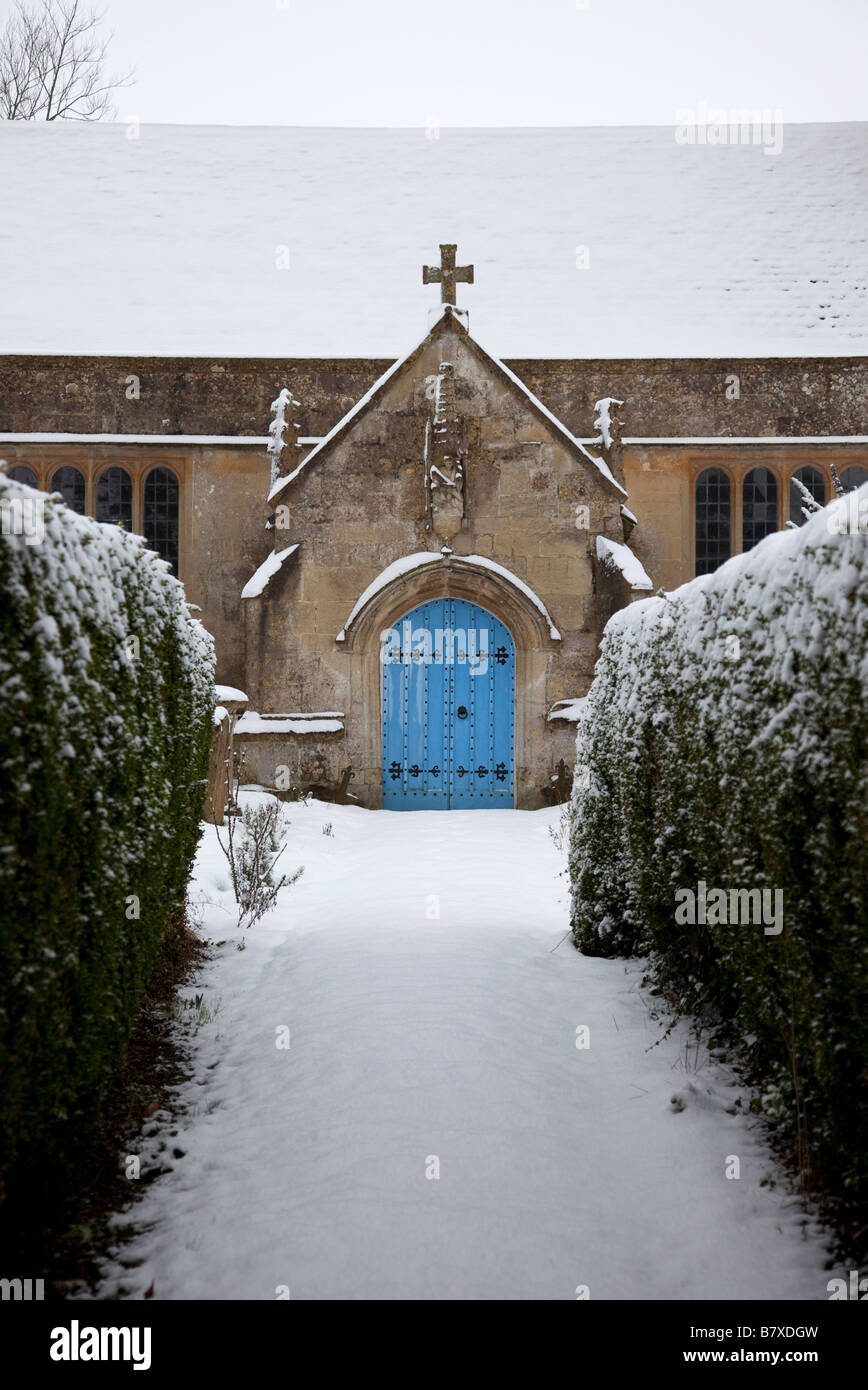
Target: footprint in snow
{"type": "Point", "coordinates": [704, 1097]}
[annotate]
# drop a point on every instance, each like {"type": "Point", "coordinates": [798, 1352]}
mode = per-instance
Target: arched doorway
{"type": "Point", "coordinates": [448, 708]}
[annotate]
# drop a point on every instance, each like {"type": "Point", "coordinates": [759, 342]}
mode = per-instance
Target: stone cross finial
{"type": "Point", "coordinates": [447, 274]}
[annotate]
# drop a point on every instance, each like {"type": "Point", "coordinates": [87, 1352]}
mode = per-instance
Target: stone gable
{"type": "Point", "coordinates": [361, 504]}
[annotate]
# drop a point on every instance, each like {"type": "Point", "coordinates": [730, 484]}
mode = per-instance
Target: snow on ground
{"type": "Point", "coordinates": [415, 1037]}
{"type": "Point", "coordinates": [173, 242]}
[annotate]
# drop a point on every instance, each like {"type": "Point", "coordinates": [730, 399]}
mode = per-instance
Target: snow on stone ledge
{"type": "Point", "coordinates": [567, 709]}
{"type": "Point", "coordinates": [269, 567]}
{"type": "Point", "coordinates": [76, 437]}
{"type": "Point", "coordinates": [419, 560]}
{"type": "Point", "coordinates": [229, 692]}
{"type": "Point", "coordinates": [615, 555]}
{"type": "Point", "coordinates": [331, 722]}
{"type": "Point", "coordinates": [220, 713]}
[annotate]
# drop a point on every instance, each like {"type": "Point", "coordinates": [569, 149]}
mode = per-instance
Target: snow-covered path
{"type": "Point", "coordinates": [421, 1042]}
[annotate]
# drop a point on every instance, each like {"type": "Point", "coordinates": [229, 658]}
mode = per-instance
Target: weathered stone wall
{"type": "Point", "coordinates": [777, 396]}
{"type": "Point", "coordinates": [180, 395]}
{"type": "Point", "coordinates": [689, 397]}
{"type": "Point", "coordinates": [228, 543]}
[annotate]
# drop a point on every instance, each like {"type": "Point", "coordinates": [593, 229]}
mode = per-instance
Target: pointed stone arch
{"type": "Point", "coordinates": [456, 577]}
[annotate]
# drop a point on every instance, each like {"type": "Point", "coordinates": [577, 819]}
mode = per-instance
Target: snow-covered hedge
{"type": "Point", "coordinates": [724, 743]}
{"type": "Point", "coordinates": [106, 699]}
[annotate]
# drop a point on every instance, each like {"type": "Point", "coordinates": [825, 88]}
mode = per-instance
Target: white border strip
{"type": "Point", "coordinates": [751, 439]}
{"type": "Point", "coordinates": [258, 440]}
{"type": "Point", "coordinates": [261, 440]}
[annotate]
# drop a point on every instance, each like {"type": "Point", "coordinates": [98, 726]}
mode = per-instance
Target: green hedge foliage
{"type": "Point", "coordinates": [725, 740]}
{"type": "Point", "coordinates": [106, 706]}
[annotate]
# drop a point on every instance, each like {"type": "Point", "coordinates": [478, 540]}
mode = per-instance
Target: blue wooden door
{"type": "Point", "coordinates": [448, 709]}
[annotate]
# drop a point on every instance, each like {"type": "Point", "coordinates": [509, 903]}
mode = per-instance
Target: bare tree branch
{"type": "Point", "coordinates": [52, 64]}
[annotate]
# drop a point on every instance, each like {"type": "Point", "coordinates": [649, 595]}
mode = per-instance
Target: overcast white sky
{"type": "Point", "coordinates": [486, 62]}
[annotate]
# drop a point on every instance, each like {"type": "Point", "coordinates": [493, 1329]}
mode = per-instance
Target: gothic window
{"type": "Point", "coordinates": [70, 484]}
{"type": "Point", "coordinates": [23, 475]}
{"type": "Point", "coordinates": [114, 497]}
{"type": "Point", "coordinates": [161, 514]}
{"type": "Point", "coordinates": [813, 480]}
{"type": "Point", "coordinates": [712, 520]}
{"type": "Point", "coordinates": [854, 477]}
{"type": "Point", "coordinates": [759, 507]}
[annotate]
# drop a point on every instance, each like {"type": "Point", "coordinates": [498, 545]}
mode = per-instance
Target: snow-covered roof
{"type": "Point", "coordinates": [408, 563]}
{"type": "Point", "coordinates": [749, 254]}
{"type": "Point", "coordinates": [447, 319]}
{"type": "Point", "coordinates": [270, 566]}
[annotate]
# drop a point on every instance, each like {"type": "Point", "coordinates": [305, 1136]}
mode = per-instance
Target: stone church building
{"type": "Point", "coordinates": [408, 579]}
